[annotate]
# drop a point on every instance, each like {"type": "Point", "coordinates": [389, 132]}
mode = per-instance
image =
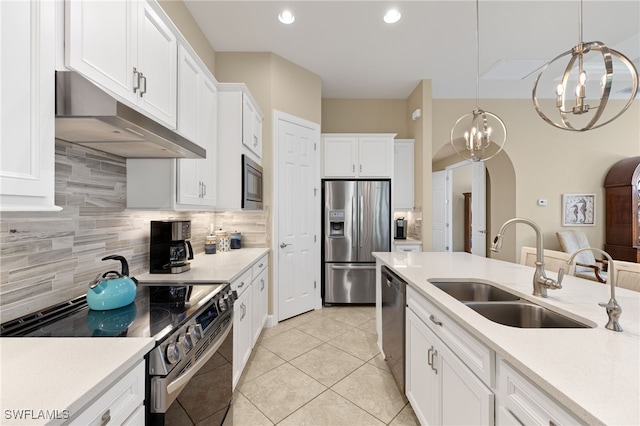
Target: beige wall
{"type": "Point", "coordinates": [181, 17]}
{"type": "Point", "coordinates": [547, 162]}
{"type": "Point", "coordinates": [366, 116]}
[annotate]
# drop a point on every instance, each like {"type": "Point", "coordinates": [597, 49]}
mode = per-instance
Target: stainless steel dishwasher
{"type": "Point", "coordinates": [394, 301]}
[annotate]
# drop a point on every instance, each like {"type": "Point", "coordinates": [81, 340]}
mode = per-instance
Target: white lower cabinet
{"type": "Point", "coordinates": [523, 403]}
{"type": "Point", "coordinates": [250, 313]}
{"type": "Point", "coordinates": [242, 338]}
{"type": "Point", "coordinates": [407, 247]}
{"type": "Point", "coordinates": [442, 389]}
{"type": "Point", "coordinates": [260, 288]}
{"type": "Point", "coordinates": [121, 403]}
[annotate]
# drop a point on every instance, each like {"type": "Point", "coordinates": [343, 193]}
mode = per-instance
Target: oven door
{"type": "Point", "coordinates": [251, 184]}
{"type": "Point", "coordinates": [203, 388]}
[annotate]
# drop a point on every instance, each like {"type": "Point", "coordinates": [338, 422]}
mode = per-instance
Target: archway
{"type": "Point", "coordinates": [501, 196]}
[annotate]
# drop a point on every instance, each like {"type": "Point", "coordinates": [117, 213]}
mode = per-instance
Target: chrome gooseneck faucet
{"type": "Point", "coordinates": [540, 280]}
{"type": "Point", "coordinates": [613, 309]}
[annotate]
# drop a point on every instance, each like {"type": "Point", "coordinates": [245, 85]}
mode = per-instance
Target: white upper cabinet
{"type": "Point", "coordinates": [251, 126]}
{"type": "Point", "coordinates": [357, 155]}
{"type": "Point", "coordinates": [182, 184]}
{"type": "Point", "coordinates": [125, 47]}
{"type": "Point", "coordinates": [27, 83]}
{"type": "Point", "coordinates": [197, 121]}
{"type": "Point", "coordinates": [239, 125]}
{"type": "Point", "coordinates": [403, 174]}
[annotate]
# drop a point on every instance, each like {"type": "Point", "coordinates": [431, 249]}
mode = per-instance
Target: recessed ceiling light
{"type": "Point", "coordinates": [286, 17]}
{"type": "Point", "coordinates": [392, 16]}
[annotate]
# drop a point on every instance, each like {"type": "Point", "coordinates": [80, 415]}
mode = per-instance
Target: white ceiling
{"type": "Point", "coordinates": [359, 56]}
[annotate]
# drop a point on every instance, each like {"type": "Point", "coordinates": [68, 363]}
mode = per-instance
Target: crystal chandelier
{"type": "Point", "coordinates": [575, 74]}
{"type": "Point", "coordinates": [478, 135]}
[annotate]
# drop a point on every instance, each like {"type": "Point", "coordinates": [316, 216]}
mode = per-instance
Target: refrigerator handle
{"type": "Point", "coordinates": [354, 213]}
{"type": "Point", "coordinates": [361, 230]}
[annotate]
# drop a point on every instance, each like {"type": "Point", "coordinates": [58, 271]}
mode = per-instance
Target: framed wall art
{"type": "Point", "coordinates": [578, 209]}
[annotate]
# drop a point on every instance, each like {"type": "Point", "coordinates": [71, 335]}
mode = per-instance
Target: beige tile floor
{"type": "Point", "coordinates": [320, 368]}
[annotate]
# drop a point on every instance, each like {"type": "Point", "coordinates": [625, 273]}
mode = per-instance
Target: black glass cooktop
{"type": "Point", "coordinates": [155, 311]}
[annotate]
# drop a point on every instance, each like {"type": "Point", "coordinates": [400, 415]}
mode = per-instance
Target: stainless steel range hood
{"type": "Point", "coordinates": [88, 116]}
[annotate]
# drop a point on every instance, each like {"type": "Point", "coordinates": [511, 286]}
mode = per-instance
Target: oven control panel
{"type": "Point", "coordinates": [183, 340]}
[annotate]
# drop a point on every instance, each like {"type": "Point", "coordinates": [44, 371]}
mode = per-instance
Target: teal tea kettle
{"type": "Point", "coordinates": [112, 289]}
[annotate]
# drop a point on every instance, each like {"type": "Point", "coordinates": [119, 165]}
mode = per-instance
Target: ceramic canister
{"type": "Point", "coordinates": [224, 242]}
{"type": "Point", "coordinates": [236, 240]}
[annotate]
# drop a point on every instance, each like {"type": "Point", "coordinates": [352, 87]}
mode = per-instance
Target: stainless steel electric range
{"type": "Point", "coordinates": [189, 371]}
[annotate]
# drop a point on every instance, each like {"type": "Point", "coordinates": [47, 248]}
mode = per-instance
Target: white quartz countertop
{"type": "Point", "coordinates": [222, 267]}
{"type": "Point", "coordinates": [42, 376]}
{"type": "Point", "coordinates": [594, 372]}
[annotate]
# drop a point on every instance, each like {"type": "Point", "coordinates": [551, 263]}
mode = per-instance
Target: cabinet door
{"type": "Point", "coordinates": [208, 138]}
{"type": "Point", "coordinates": [27, 105]}
{"type": "Point", "coordinates": [101, 43]}
{"type": "Point", "coordinates": [340, 155]}
{"type": "Point", "coordinates": [375, 156]}
{"type": "Point", "coordinates": [251, 126]}
{"type": "Point", "coordinates": [241, 334]}
{"type": "Point", "coordinates": [421, 383]}
{"type": "Point", "coordinates": [189, 75]}
{"type": "Point", "coordinates": [157, 61]}
{"type": "Point", "coordinates": [260, 289]}
{"type": "Point", "coordinates": [403, 175]}
{"type": "Point", "coordinates": [461, 388]}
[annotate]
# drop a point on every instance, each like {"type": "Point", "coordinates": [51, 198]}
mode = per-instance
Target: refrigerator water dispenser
{"type": "Point", "coordinates": [336, 220]}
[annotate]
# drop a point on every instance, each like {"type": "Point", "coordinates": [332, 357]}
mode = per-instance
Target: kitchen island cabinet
{"type": "Point", "coordinates": [577, 375]}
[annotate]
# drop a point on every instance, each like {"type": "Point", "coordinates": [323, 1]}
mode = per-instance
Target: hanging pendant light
{"type": "Point", "coordinates": [574, 83]}
{"type": "Point", "coordinates": [478, 135]}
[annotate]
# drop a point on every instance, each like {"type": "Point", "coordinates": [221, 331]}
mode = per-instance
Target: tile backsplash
{"type": "Point", "coordinates": [50, 257]}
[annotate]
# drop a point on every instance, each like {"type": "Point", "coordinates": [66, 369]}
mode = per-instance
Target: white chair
{"type": "Point", "coordinates": [627, 274]}
{"type": "Point", "coordinates": [553, 260]}
{"type": "Point", "coordinates": [587, 266]}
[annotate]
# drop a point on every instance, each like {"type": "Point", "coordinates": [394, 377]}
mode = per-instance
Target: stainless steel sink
{"type": "Point", "coordinates": [523, 314]}
{"type": "Point", "coordinates": [471, 291]}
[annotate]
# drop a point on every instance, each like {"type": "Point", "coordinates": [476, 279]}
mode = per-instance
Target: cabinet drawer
{"type": "Point", "coordinates": [242, 282]}
{"type": "Point", "coordinates": [527, 403]}
{"type": "Point", "coordinates": [260, 266]}
{"type": "Point", "coordinates": [479, 358]}
{"type": "Point", "coordinates": [407, 247]}
{"type": "Point", "coordinates": [118, 402]}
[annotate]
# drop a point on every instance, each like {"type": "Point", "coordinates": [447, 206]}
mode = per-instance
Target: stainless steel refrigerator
{"type": "Point", "coordinates": [356, 222]}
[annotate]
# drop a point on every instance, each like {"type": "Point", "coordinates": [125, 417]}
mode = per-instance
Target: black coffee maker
{"type": "Point", "coordinates": [170, 249]}
{"type": "Point", "coordinates": [401, 229]}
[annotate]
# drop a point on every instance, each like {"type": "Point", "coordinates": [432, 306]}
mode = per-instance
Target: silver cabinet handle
{"type": "Point", "coordinates": [283, 245]}
{"type": "Point", "coordinates": [136, 80]}
{"type": "Point", "coordinates": [261, 265]}
{"type": "Point", "coordinates": [433, 363]}
{"type": "Point", "coordinates": [353, 168]}
{"type": "Point", "coordinates": [262, 281]}
{"type": "Point", "coordinates": [204, 189]}
{"type": "Point", "coordinates": [430, 356]}
{"type": "Point", "coordinates": [241, 284]}
{"type": "Point", "coordinates": [244, 311]}
{"type": "Point", "coordinates": [435, 321]}
{"type": "Point", "coordinates": [106, 417]}
{"type": "Point", "coordinates": [144, 80]}
{"type": "Point", "coordinates": [360, 168]}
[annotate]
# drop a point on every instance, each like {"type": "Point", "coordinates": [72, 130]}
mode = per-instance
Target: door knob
{"type": "Point", "coordinates": [283, 245]}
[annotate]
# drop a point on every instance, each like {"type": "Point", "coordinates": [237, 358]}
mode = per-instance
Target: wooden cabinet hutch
{"type": "Point", "coordinates": [622, 186]}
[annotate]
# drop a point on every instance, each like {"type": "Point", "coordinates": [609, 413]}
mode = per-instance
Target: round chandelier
{"type": "Point", "coordinates": [478, 135]}
{"type": "Point", "coordinates": [584, 59]}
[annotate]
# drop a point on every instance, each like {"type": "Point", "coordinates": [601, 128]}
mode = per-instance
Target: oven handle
{"type": "Point", "coordinates": [180, 382]}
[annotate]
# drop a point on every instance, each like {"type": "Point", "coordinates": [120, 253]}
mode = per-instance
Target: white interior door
{"type": "Point", "coordinates": [297, 216]}
{"type": "Point", "coordinates": [439, 210]}
{"type": "Point", "coordinates": [478, 210]}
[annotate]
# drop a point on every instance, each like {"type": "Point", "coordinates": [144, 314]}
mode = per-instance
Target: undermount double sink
{"type": "Point", "coordinates": [504, 307]}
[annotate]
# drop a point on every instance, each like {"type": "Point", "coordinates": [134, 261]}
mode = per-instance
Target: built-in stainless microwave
{"type": "Point", "coordinates": [251, 184]}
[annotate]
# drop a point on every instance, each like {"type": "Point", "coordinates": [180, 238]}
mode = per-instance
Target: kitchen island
{"type": "Point", "coordinates": [592, 372]}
